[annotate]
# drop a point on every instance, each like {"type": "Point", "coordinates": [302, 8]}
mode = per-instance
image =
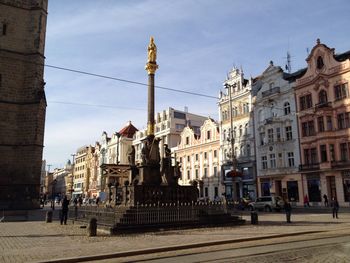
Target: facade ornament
{"type": "Point", "coordinates": [151, 65]}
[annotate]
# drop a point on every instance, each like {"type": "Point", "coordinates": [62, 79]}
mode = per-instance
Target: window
{"type": "Point", "coordinates": [313, 155]}
{"type": "Point", "coordinates": [331, 152]}
{"type": "Point", "coordinates": [264, 162]}
{"type": "Point", "coordinates": [341, 91]}
{"type": "Point", "coordinates": [179, 127]}
{"type": "Point", "coordinates": [322, 97]}
{"type": "Point", "coordinates": [289, 135]}
{"type": "Point", "coordinates": [188, 175]}
{"type": "Point", "coordinates": [215, 153]}
{"type": "Point", "coordinates": [329, 123]}
{"type": "Point", "coordinates": [308, 128]}
{"type": "Point", "coordinates": [240, 131]}
{"type": "Point", "coordinates": [215, 171]}
{"type": "Point", "coordinates": [320, 124]}
{"type": "Point", "coordinates": [290, 159]}
{"type": "Point", "coordinates": [270, 135]}
{"type": "Point", "coordinates": [278, 134]}
{"type": "Point", "coordinates": [323, 151]}
{"type": "Point", "coordinates": [187, 140]}
{"type": "Point", "coordinates": [286, 108]}
{"type": "Point", "coordinates": [319, 62]}
{"type": "Point", "coordinates": [242, 151]}
{"type": "Point", "coordinates": [205, 155]}
{"type": "Point", "coordinates": [205, 172]}
{"type": "Point", "coordinates": [188, 158]}
{"type": "Point", "coordinates": [343, 120]}
{"type": "Point", "coordinates": [273, 160]}
{"type": "Point", "coordinates": [262, 138]}
{"type": "Point", "coordinates": [307, 156]}
{"type": "Point", "coordinates": [246, 129]}
{"type": "Point", "coordinates": [343, 152]}
{"type": "Point", "coordinates": [197, 157]}
{"type": "Point", "coordinates": [208, 135]}
{"type": "Point", "coordinates": [305, 102]}
{"type": "Point", "coordinates": [248, 150]}
{"type": "Point", "coordinates": [4, 29]}
{"type": "Point", "coordinates": [197, 175]}
{"type": "Point", "coordinates": [206, 191]}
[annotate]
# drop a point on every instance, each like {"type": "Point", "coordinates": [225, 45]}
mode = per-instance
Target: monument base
{"type": "Point", "coordinates": [162, 194]}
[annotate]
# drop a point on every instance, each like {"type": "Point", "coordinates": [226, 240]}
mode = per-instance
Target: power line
{"type": "Point", "coordinates": [95, 105]}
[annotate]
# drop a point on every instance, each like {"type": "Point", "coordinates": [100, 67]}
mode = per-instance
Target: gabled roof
{"type": "Point", "coordinates": [128, 131]}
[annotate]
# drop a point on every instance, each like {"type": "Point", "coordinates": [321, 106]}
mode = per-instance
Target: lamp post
{"type": "Point", "coordinates": [53, 194]}
{"type": "Point", "coordinates": [232, 141]}
{"type": "Point", "coordinates": [118, 140]}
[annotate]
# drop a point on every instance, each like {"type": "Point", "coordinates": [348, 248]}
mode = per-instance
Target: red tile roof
{"type": "Point", "coordinates": [128, 131]}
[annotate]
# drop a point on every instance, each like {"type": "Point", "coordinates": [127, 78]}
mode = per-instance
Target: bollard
{"type": "Point", "coordinates": [92, 227]}
{"type": "Point", "coordinates": [48, 216]}
{"type": "Point", "coordinates": [254, 218]}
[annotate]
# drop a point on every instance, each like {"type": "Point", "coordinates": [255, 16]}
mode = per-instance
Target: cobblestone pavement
{"type": "Point", "coordinates": [35, 241]}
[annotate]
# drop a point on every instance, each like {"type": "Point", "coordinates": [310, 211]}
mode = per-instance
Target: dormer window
{"type": "Point", "coordinates": [320, 63]}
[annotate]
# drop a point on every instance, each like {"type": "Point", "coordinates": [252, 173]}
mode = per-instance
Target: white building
{"type": "Point", "coordinates": [168, 126]}
{"type": "Point", "coordinates": [60, 177]}
{"type": "Point", "coordinates": [277, 142]}
{"type": "Point", "coordinates": [237, 137]}
{"type": "Point", "coordinates": [199, 156]}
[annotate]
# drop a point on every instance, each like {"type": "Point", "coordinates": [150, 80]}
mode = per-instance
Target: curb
{"type": "Point", "coordinates": [172, 248]}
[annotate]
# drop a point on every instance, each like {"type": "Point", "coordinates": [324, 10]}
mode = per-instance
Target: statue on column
{"type": "Point", "coordinates": [131, 155]}
{"type": "Point", "coordinates": [152, 51]}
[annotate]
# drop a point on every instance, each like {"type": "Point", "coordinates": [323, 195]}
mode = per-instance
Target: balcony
{"type": "Point", "coordinates": [270, 92]}
{"type": "Point", "coordinates": [325, 104]}
{"type": "Point", "coordinates": [340, 164]}
{"type": "Point", "coordinates": [309, 167]}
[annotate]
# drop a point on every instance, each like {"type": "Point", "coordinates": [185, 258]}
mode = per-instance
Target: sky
{"type": "Point", "coordinates": [198, 43]}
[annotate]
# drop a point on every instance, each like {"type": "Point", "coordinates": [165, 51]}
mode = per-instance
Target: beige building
{"type": "Point", "coordinates": [323, 105]}
{"type": "Point", "coordinates": [199, 156]}
{"type": "Point", "coordinates": [81, 174]}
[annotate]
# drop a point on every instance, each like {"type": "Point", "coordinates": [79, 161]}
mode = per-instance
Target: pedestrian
{"type": "Point", "coordinates": [80, 201]}
{"type": "Point", "coordinates": [325, 197]}
{"type": "Point", "coordinates": [75, 201]}
{"type": "Point", "coordinates": [97, 200]}
{"type": "Point", "coordinates": [335, 207]}
{"type": "Point", "coordinates": [288, 209]}
{"type": "Point", "coordinates": [64, 215]}
{"type": "Point", "coordinates": [306, 201]}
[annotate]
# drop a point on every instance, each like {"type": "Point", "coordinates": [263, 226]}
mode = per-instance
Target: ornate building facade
{"type": "Point", "coordinates": [237, 144]}
{"type": "Point", "coordinates": [276, 135]}
{"type": "Point", "coordinates": [322, 95]}
{"type": "Point", "coordinates": [199, 156]}
{"type": "Point", "coordinates": [22, 101]}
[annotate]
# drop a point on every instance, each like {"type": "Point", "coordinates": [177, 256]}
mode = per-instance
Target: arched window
{"type": "Point", "coordinates": [248, 150]}
{"type": "Point", "coordinates": [322, 97]}
{"type": "Point", "coordinates": [286, 108]}
{"type": "Point", "coordinates": [320, 63]}
{"type": "Point", "coordinates": [242, 151]}
{"type": "Point", "coordinates": [240, 130]}
{"type": "Point", "coordinates": [246, 129]}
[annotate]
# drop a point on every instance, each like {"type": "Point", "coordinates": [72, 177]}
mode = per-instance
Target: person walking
{"type": "Point", "coordinates": [288, 209]}
{"type": "Point", "coordinates": [306, 201]}
{"type": "Point", "coordinates": [325, 197]}
{"type": "Point", "coordinates": [335, 207]}
{"type": "Point", "coordinates": [64, 214]}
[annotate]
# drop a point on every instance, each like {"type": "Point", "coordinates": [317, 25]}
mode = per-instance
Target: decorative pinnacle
{"type": "Point", "coordinates": [151, 65]}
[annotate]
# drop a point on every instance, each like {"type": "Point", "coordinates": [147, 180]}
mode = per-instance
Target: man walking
{"type": "Point", "coordinates": [288, 210]}
{"type": "Point", "coordinates": [64, 215]}
{"type": "Point", "coordinates": [335, 207]}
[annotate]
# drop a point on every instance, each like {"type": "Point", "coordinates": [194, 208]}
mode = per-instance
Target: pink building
{"type": "Point", "coordinates": [323, 108]}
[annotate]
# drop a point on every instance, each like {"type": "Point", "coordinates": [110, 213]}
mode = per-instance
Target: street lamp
{"type": "Point", "coordinates": [53, 193]}
{"type": "Point", "coordinates": [232, 139]}
{"type": "Point", "coordinates": [118, 140]}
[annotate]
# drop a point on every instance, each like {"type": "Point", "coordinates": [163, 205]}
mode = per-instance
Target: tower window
{"type": "Point", "coordinates": [4, 29]}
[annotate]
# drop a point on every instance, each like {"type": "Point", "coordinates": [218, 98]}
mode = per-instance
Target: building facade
{"type": "Point", "coordinates": [199, 156]}
{"type": "Point", "coordinates": [237, 144]}
{"type": "Point", "coordinates": [276, 135]}
{"type": "Point", "coordinates": [168, 126]}
{"type": "Point", "coordinates": [81, 177]}
{"type": "Point", "coordinates": [60, 177]}
{"type": "Point", "coordinates": [22, 101]}
{"type": "Point", "coordinates": [323, 106]}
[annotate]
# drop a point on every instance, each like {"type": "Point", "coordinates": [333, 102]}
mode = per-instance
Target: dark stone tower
{"type": "Point", "coordinates": [22, 101]}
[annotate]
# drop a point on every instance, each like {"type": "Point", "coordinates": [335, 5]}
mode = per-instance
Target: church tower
{"type": "Point", "coordinates": [22, 101]}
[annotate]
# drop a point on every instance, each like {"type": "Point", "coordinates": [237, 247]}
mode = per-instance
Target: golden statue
{"type": "Point", "coordinates": [152, 51]}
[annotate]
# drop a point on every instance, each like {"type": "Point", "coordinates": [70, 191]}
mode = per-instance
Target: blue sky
{"type": "Point", "coordinates": [198, 42]}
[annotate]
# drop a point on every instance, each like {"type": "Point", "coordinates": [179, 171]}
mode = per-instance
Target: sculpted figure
{"type": "Point", "coordinates": [152, 51]}
{"type": "Point", "coordinates": [131, 156]}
